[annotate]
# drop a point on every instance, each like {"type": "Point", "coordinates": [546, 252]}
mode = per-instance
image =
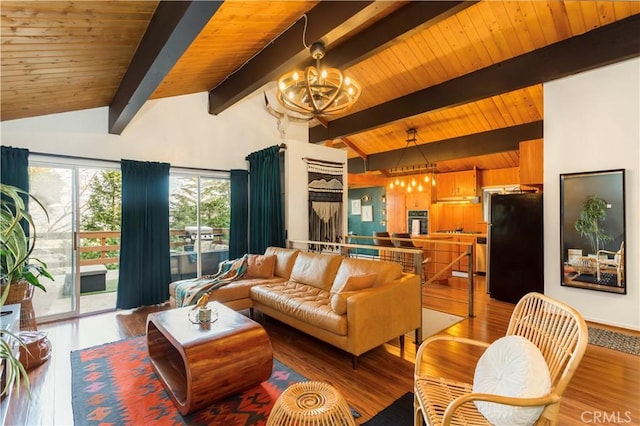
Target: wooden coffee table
{"type": "Point", "coordinates": [202, 363]}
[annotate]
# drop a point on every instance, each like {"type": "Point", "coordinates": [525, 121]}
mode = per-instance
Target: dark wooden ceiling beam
{"type": "Point", "coordinates": [284, 53]}
{"type": "Point", "coordinates": [605, 45]}
{"type": "Point", "coordinates": [173, 27]}
{"type": "Point", "coordinates": [399, 25]}
{"type": "Point", "coordinates": [490, 142]}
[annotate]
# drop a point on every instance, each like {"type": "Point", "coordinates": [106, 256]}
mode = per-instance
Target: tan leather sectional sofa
{"type": "Point", "coordinates": [311, 291]}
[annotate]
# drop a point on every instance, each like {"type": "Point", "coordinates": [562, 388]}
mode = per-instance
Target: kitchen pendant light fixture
{"type": "Point", "coordinates": [422, 176]}
{"type": "Point", "coordinates": [316, 90]}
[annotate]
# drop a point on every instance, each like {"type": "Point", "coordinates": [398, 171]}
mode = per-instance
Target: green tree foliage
{"type": "Point", "coordinates": [214, 203]}
{"type": "Point", "coordinates": [593, 213]}
{"type": "Point", "coordinates": [103, 210]}
{"type": "Point", "coordinates": [104, 206]}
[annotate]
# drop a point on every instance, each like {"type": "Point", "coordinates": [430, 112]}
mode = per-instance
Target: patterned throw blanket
{"type": "Point", "coordinates": [187, 292]}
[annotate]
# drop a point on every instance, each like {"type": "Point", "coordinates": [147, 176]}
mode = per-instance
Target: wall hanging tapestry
{"type": "Point", "coordinates": [326, 186]}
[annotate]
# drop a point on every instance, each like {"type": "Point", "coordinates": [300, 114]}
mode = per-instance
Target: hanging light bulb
{"type": "Point", "coordinates": [433, 181]}
{"type": "Point", "coordinates": [402, 183]}
{"type": "Point", "coordinates": [420, 188]}
{"type": "Point", "coordinates": [426, 178]}
{"type": "Point", "coordinates": [397, 181]}
{"type": "Point", "coordinates": [409, 188]}
{"type": "Point", "coordinates": [413, 181]}
{"type": "Point", "coordinates": [391, 185]}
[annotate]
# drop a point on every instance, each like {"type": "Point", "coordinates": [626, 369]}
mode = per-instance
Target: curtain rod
{"type": "Point", "coordinates": [281, 147]}
{"type": "Point", "coordinates": [76, 157]}
{"type": "Point", "coordinates": [323, 161]}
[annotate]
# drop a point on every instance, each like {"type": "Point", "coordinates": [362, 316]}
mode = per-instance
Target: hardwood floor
{"type": "Point", "coordinates": [604, 390]}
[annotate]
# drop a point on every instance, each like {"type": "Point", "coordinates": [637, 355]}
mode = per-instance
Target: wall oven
{"type": "Point", "coordinates": [418, 222]}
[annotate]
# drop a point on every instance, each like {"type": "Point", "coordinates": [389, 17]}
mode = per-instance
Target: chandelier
{"type": "Point", "coordinates": [317, 91]}
{"type": "Point", "coordinates": [425, 173]}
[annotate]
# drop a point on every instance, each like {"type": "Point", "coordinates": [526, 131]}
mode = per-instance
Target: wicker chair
{"type": "Point", "coordinates": [558, 330]}
{"type": "Point", "coordinates": [616, 263]}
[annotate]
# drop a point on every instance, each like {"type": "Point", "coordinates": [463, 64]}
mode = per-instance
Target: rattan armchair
{"type": "Point", "coordinates": [616, 263]}
{"type": "Point", "coordinates": [558, 330]}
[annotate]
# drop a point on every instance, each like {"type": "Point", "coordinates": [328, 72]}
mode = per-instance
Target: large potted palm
{"type": "Point", "coordinates": [19, 272]}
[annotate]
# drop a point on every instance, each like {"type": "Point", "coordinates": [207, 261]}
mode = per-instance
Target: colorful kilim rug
{"type": "Point", "coordinates": [115, 384]}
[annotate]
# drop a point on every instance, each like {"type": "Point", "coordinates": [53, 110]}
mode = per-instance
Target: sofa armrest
{"type": "Point", "coordinates": [380, 314]}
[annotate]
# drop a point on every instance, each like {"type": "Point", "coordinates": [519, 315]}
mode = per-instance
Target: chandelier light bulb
{"type": "Point", "coordinates": [295, 76]}
{"type": "Point", "coordinates": [433, 182]}
{"type": "Point", "coordinates": [391, 185]}
{"type": "Point", "coordinates": [413, 181]}
{"type": "Point", "coordinates": [402, 183]}
{"type": "Point", "coordinates": [420, 188]}
{"type": "Point", "coordinates": [409, 189]}
{"type": "Point", "coordinates": [397, 181]}
{"type": "Point", "coordinates": [426, 179]}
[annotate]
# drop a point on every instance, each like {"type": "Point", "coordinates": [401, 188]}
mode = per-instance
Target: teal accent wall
{"type": "Point", "coordinates": [356, 226]}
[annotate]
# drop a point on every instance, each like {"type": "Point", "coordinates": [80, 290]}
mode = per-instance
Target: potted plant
{"type": "Point", "coordinates": [18, 270]}
{"type": "Point", "coordinates": [593, 213]}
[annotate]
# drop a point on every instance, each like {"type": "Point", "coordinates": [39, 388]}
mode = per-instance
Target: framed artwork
{"type": "Point", "coordinates": [367, 213]}
{"type": "Point", "coordinates": [355, 207]}
{"type": "Point", "coordinates": [592, 231]}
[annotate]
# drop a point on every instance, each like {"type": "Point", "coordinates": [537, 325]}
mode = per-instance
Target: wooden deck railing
{"type": "Point", "coordinates": [103, 248]}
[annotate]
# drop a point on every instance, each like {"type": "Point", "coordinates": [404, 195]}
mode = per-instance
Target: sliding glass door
{"type": "Point", "coordinates": [79, 240]}
{"type": "Point", "coordinates": [199, 216]}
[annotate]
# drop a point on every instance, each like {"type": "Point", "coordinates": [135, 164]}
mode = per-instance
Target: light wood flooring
{"type": "Point", "coordinates": [604, 390]}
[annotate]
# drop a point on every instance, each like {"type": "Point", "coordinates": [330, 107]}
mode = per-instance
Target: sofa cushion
{"type": "Point", "coordinates": [353, 284]}
{"type": "Point", "coordinates": [303, 302]}
{"type": "Point", "coordinates": [318, 270]}
{"type": "Point", "coordinates": [387, 271]}
{"type": "Point", "coordinates": [261, 265]}
{"type": "Point", "coordinates": [284, 260]}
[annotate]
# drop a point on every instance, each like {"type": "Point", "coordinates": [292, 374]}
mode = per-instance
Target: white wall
{"type": "Point", "coordinates": [592, 122]}
{"type": "Point", "coordinates": [177, 130]}
{"type": "Point", "coordinates": [180, 131]}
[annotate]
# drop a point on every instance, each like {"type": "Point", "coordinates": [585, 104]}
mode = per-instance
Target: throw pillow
{"type": "Point", "coordinates": [353, 284]}
{"type": "Point", "coordinates": [511, 366]}
{"type": "Point", "coordinates": [261, 265]}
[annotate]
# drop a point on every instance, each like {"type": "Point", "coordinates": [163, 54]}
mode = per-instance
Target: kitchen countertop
{"type": "Point", "coordinates": [457, 234]}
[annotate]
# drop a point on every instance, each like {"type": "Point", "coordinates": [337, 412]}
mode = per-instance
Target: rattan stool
{"type": "Point", "coordinates": [309, 404]}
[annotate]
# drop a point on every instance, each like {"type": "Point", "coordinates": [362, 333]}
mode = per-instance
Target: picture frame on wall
{"type": "Point", "coordinates": [355, 207]}
{"type": "Point", "coordinates": [367, 213]}
{"type": "Point", "coordinates": [592, 230]}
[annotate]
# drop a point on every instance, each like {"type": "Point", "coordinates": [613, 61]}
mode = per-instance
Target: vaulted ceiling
{"type": "Point", "coordinates": [467, 75]}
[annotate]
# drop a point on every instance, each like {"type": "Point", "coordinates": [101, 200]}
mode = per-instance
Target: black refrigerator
{"type": "Point", "coordinates": [515, 246]}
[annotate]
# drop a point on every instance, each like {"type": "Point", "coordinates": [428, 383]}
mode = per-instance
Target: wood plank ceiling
{"type": "Point", "coordinates": [64, 56]}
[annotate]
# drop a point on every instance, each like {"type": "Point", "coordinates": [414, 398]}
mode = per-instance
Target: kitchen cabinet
{"type": "Point", "coordinates": [457, 185]}
{"type": "Point", "coordinates": [440, 255]}
{"type": "Point", "coordinates": [531, 162]}
{"type": "Point", "coordinates": [463, 264]}
{"type": "Point", "coordinates": [417, 200]}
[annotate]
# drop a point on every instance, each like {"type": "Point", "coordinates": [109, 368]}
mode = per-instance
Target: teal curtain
{"type": "Point", "coordinates": [266, 217]}
{"type": "Point", "coordinates": [14, 171]}
{"type": "Point", "coordinates": [239, 227]}
{"type": "Point", "coordinates": [144, 244]}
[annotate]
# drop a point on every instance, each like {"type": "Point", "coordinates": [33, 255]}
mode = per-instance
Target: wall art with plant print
{"type": "Point", "coordinates": [592, 230]}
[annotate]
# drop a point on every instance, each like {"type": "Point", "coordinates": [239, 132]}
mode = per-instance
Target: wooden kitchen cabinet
{"type": "Point", "coordinates": [416, 200]}
{"type": "Point", "coordinates": [457, 184]}
{"type": "Point", "coordinates": [463, 264]}
{"type": "Point", "coordinates": [531, 162]}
